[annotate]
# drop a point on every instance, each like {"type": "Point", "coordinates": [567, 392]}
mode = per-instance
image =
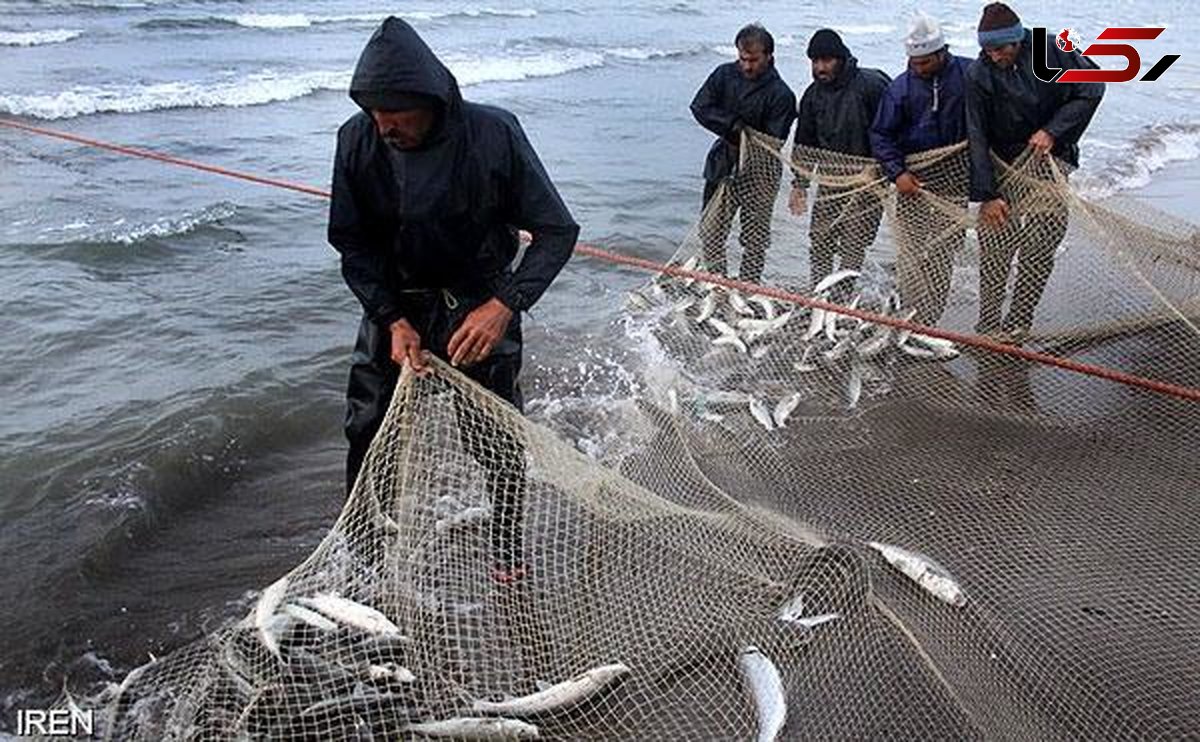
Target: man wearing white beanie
{"type": "Point", "coordinates": [924, 109]}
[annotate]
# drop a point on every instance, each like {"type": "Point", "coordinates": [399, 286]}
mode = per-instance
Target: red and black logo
{"type": "Point", "coordinates": [1133, 61]}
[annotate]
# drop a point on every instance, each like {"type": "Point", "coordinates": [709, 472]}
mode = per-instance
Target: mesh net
{"type": "Point", "coordinates": [826, 524]}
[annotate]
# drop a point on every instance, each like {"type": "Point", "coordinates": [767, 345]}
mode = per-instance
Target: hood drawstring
{"type": "Point", "coordinates": [937, 84]}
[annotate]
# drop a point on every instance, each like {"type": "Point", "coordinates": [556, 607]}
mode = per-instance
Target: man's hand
{"type": "Point", "coordinates": [797, 202]}
{"type": "Point", "coordinates": [1042, 142]}
{"type": "Point", "coordinates": [474, 339]}
{"type": "Point", "coordinates": [993, 214]}
{"type": "Point", "coordinates": [908, 184]}
{"type": "Point", "coordinates": [406, 345]}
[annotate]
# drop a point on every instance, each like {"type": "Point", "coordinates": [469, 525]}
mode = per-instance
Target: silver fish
{"type": "Point", "coordinates": [350, 613]}
{"type": "Point", "coordinates": [803, 365]}
{"type": "Point", "coordinates": [816, 323]}
{"type": "Point", "coordinates": [759, 411]}
{"type": "Point", "coordinates": [767, 305]}
{"type": "Point", "coordinates": [463, 519]}
{"type": "Point", "coordinates": [902, 335]}
{"type": "Point", "coordinates": [733, 340]}
{"type": "Point", "coordinates": [854, 386]}
{"type": "Point", "coordinates": [690, 265]}
{"type": "Point", "coordinates": [794, 611]}
{"type": "Point", "coordinates": [721, 327]}
{"type": "Point", "coordinates": [564, 694]}
{"type": "Point", "coordinates": [268, 603]}
{"type": "Point", "coordinates": [784, 408]}
{"type": "Point", "coordinates": [918, 352]}
{"type": "Point", "coordinates": [708, 305]}
{"type": "Point", "coordinates": [831, 320]}
{"type": "Point", "coordinates": [475, 728]}
{"type": "Point", "coordinates": [310, 617]}
{"type": "Point", "coordinates": [833, 279]}
{"type": "Point", "coordinates": [673, 401]}
{"type": "Point", "coordinates": [739, 304]}
{"type": "Point", "coordinates": [391, 671]}
{"type": "Point", "coordinates": [923, 570]}
{"type": "Point", "coordinates": [760, 352]}
{"type": "Point", "coordinates": [766, 686]}
{"type": "Point", "coordinates": [684, 305]}
{"type": "Point", "coordinates": [876, 343]}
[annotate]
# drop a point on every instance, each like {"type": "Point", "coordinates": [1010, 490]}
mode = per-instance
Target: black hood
{"type": "Point", "coordinates": [397, 64]}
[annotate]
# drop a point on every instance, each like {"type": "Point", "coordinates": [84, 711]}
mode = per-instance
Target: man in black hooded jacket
{"type": "Point", "coordinates": [429, 192]}
{"type": "Point", "coordinates": [836, 112]}
{"type": "Point", "coordinates": [1010, 110]}
{"type": "Point", "coordinates": [746, 93]}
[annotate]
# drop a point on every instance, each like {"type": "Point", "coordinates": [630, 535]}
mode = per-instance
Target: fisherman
{"type": "Point", "coordinates": [925, 109]}
{"type": "Point", "coordinates": [738, 95]}
{"type": "Point", "coordinates": [429, 192]}
{"type": "Point", "coordinates": [1009, 110]}
{"type": "Point", "coordinates": [835, 115]}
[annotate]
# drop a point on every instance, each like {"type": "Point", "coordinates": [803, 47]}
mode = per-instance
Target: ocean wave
{"type": "Point", "coordinates": [271, 87]}
{"type": "Point", "coordinates": [38, 38]}
{"type": "Point", "coordinates": [638, 53]}
{"type": "Point", "coordinates": [248, 90]}
{"type": "Point", "coordinates": [167, 227]}
{"type": "Point", "coordinates": [866, 29]}
{"type": "Point", "coordinates": [282, 21]}
{"type": "Point", "coordinates": [1152, 149]}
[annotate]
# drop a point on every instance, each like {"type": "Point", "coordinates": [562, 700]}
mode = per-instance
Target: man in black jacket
{"type": "Point", "coordinates": [747, 93]}
{"type": "Point", "coordinates": [1008, 110]}
{"type": "Point", "coordinates": [429, 192]}
{"type": "Point", "coordinates": [836, 112]}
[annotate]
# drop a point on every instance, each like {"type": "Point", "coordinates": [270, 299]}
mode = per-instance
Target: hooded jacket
{"type": "Point", "coordinates": [1006, 106]}
{"type": "Point", "coordinates": [727, 101]}
{"type": "Point", "coordinates": [837, 115]}
{"type": "Point", "coordinates": [917, 115]}
{"type": "Point", "coordinates": [445, 215]}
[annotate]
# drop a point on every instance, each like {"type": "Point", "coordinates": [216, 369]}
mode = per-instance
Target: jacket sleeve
{"type": "Point", "coordinates": [1074, 115]}
{"type": "Point", "coordinates": [781, 113]}
{"type": "Point", "coordinates": [805, 136]}
{"type": "Point", "coordinates": [364, 265]}
{"type": "Point", "coordinates": [539, 210]}
{"type": "Point", "coordinates": [983, 180]}
{"type": "Point", "coordinates": [707, 108]}
{"type": "Point", "coordinates": [885, 132]}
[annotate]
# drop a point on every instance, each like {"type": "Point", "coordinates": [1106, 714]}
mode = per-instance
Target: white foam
{"type": "Point", "coordinates": [38, 38]}
{"type": "Point", "coordinates": [270, 86]}
{"type": "Point", "coordinates": [639, 53]}
{"type": "Point", "coordinates": [1155, 148]}
{"type": "Point", "coordinates": [249, 90]}
{"type": "Point", "coordinates": [169, 227]}
{"type": "Point", "coordinates": [476, 70]}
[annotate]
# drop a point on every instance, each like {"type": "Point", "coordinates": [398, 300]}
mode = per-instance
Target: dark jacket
{"type": "Point", "coordinates": [1005, 108]}
{"type": "Point", "coordinates": [727, 101]}
{"type": "Point", "coordinates": [837, 115]}
{"type": "Point", "coordinates": [916, 115]}
{"type": "Point", "coordinates": [445, 215]}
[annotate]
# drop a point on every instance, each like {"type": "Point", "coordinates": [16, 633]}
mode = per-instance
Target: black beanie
{"type": "Point", "coordinates": [826, 43]}
{"type": "Point", "coordinates": [998, 15]}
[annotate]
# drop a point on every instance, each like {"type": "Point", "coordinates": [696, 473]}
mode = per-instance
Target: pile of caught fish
{"type": "Point", "coordinates": [802, 340]}
{"type": "Point", "coordinates": [318, 667]}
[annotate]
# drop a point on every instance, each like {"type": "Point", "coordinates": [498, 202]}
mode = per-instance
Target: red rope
{"type": "Point", "coordinates": [974, 341]}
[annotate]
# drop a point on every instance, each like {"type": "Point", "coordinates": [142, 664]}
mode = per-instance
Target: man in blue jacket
{"type": "Point", "coordinates": [429, 192]}
{"type": "Point", "coordinates": [1009, 110]}
{"type": "Point", "coordinates": [748, 93]}
{"type": "Point", "coordinates": [835, 116]}
{"type": "Point", "coordinates": [925, 109]}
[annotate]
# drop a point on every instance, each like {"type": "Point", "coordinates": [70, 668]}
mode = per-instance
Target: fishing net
{"type": "Point", "coordinates": [869, 523]}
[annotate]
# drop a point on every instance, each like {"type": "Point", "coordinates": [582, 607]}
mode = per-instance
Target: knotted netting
{"type": "Point", "coordinates": [831, 525]}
